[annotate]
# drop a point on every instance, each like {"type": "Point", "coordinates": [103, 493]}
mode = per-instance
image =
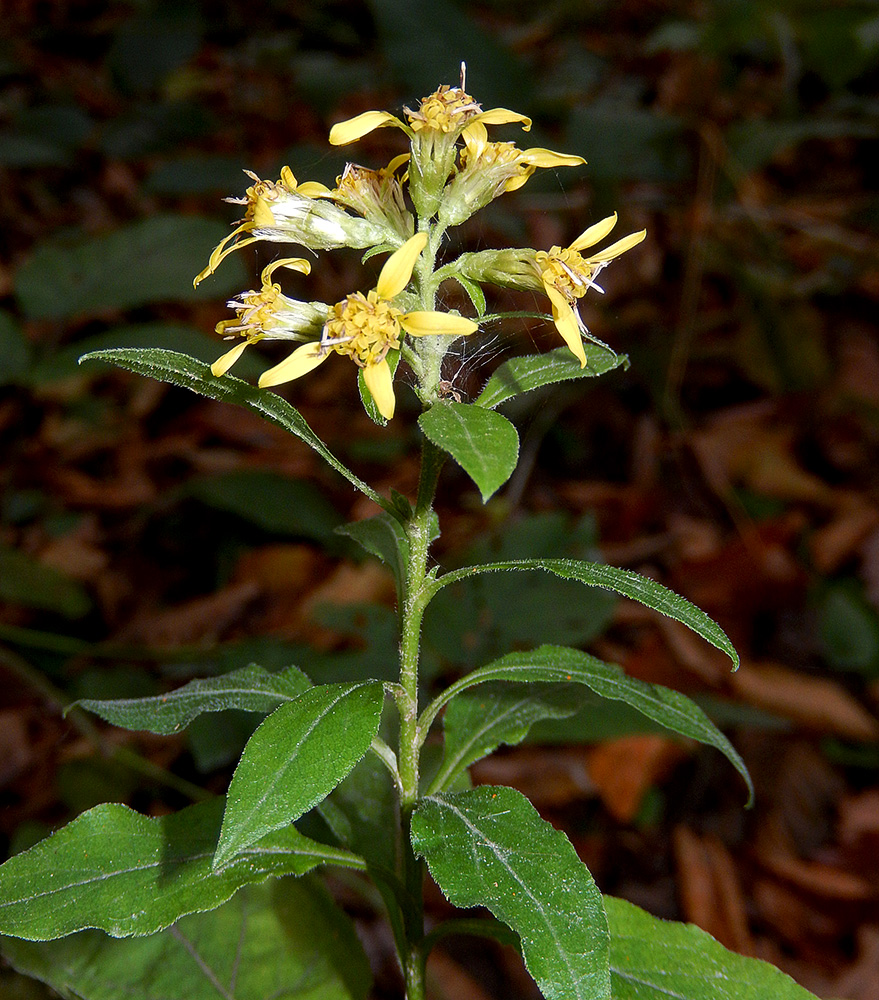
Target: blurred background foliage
{"type": "Point", "coordinates": [147, 537]}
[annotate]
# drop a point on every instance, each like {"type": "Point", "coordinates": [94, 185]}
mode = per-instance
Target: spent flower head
{"type": "Point", "coordinates": [285, 211]}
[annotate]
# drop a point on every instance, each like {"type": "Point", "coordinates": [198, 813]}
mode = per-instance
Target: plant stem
{"type": "Point", "coordinates": [416, 593]}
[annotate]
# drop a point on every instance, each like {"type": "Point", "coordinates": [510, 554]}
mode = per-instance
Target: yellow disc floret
{"type": "Point", "coordinates": [363, 327]}
{"type": "Point", "coordinates": [445, 110]}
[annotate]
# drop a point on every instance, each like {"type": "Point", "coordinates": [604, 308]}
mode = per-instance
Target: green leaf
{"type": "Point", "coordinates": [477, 723]}
{"type": "Point", "coordinates": [489, 847]}
{"type": "Point", "coordinates": [535, 370]}
{"type": "Point", "coordinates": [251, 689]}
{"type": "Point", "coordinates": [295, 759]}
{"type": "Point", "coordinates": [25, 581]}
{"type": "Point", "coordinates": [117, 871]}
{"type": "Point", "coordinates": [361, 811]}
{"type": "Point", "coordinates": [474, 292]}
{"type": "Point", "coordinates": [286, 940]}
{"type": "Point", "coordinates": [482, 442]}
{"type": "Point", "coordinates": [621, 581]}
{"type": "Point", "coordinates": [558, 665]}
{"type": "Point", "coordinates": [278, 504]}
{"type": "Point", "coordinates": [153, 260]}
{"type": "Point", "coordinates": [652, 959]}
{"type": "Point", "coordinates": [186, 372]}
{"type": "Point", "coordinates": [385, 538]}
{"type": "Point", "coordinates": [64, 363]}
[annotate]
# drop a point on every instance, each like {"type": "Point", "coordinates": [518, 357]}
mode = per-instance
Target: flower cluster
{"type": "Point", "coordinates": [451, 171]}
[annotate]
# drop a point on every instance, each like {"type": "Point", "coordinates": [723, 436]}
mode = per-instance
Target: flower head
{"type": "Point", "coordinates": [490, 169]}
{"type": "Point", "coordinates": [285, 211]}
{"type": "Point", "coordinates": [434, 128]}
{"type": "Point", "coordinates": [377, 195]}
{"type": "Point", "coordinates": [566, 276]}
{"type": "Point", "coordinates": [367, 327]}
{"type": "Point", "coordinates": [268, 314]}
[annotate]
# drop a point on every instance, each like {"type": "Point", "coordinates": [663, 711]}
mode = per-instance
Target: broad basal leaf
{"type": "Point", "coordinates": [489, 847]}
{"type": "Point", "coordinates": [296, 758]}
{"type": "Point", "coordinates": [251, 689]}
{"type": "Point", "coordinates": [621, 581]}
{"type": "Point", "coordinates": [482, 442]}
{"type": "Point", "coordinates": [532, 371]}
{"type": "Point", "coordinates": [127, 874]}
{"type": "Point", "coordinates": [186, 372]}
{"type": "Point", "coordinates": [467, 739]}
{"type": "Point", "coordinates": [652, 959]}
{"type": "Point", "coordinates": [286, 940]}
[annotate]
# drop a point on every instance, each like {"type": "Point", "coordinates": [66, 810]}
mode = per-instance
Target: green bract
{"type": "Point", "coordinates": [215, 900]}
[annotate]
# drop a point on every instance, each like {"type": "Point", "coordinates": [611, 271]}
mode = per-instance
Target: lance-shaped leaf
{"type": "Point", "coordinates": [482, 442]}
{"type": "Point", "coordinates": [489, 847]}
{"type": "Point", "coordinates": [532, 371]}
{"type": "Point", "coordinates": [506, 717]}
{"type": "Point", "coordinates": [621, 581]}
{"type": "Point", "coordinates": [652, 959]}
{"type": "Point", "coordinates": [186, 372]}
{"type": "Point", "coordinates": [127, 874]}
{"type": "Point", "coordinates": [286, 940]}
{"type": "Point", "coordinates": [250, 689]}
{"type": "Point", "coordinates": [295, 758]}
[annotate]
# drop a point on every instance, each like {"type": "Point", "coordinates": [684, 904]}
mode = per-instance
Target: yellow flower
{"type": "Point", "coordinates": [376, 195]}
{"type": "Point", "coordinates": [366, 327]}
{"type": "Point", "coordinates": [490, 169]}
{"type": "Point", "coordinates": [433, 130]}
{"type": "Point", "coordinates": [448, 110]}
{"type": "Point", "coordinates": [268, 314]}
{"type": "Point", "coordinates": [567, 275]}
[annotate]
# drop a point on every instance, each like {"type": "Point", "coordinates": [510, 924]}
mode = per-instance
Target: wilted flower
{"type": "Point", "coordinates": [285, 211]}
{"type": "Point", "coordinates": [269, 314]}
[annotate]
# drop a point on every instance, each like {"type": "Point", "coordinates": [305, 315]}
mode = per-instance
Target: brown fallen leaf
{"type": "Point", "coordinates": [839, 539]}
{"type": "Point", "coordinates": [551, 777]}
{"type": "Point", "coordinates": [816, 702]}
{"type": "Point", "coordinates": [624, 769]}
{"type": "Point", "coordinates": [710, 889]}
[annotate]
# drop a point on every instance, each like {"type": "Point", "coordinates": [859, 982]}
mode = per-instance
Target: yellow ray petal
{"type": "Point", "coordinates": [397, 271]}
{"type": "Point", "coordinates": [593, 234]}
{"type": "Point", "coordinates": [224, 363]}
{"type": "Point", "coordinates": [621, 246]}
{"type": "Point", "coordinates": [424, 324]}
{"type": "Point", "coordinates": [380, 383]}
{"type": "Point", "coordinates": [566, 323]}
{"type": "Point", "coordinates": [221, 250]}
{"type": "Point", "coordinates": [540, 157]}
{"type": "Point", "coordinates": [295, 263]}
{"type": "Point", "coordinates": [312, 189]}
{"type": "Point", "coordinates": [355, 128]}
{"type": "Point", "coordinates": [500, 116]}
{"type": "Point", "coordinates": [303, 360]}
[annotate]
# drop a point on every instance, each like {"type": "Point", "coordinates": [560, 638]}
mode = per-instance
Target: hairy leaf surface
{"type": "Point", "coordinates": [295, 758]}
{"type": "Point", "coordinates": [251, 689]}
{"type": "Point", "coordinates": [489, 847]}
{"type": "Point", "coordinates": [127, 874]}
